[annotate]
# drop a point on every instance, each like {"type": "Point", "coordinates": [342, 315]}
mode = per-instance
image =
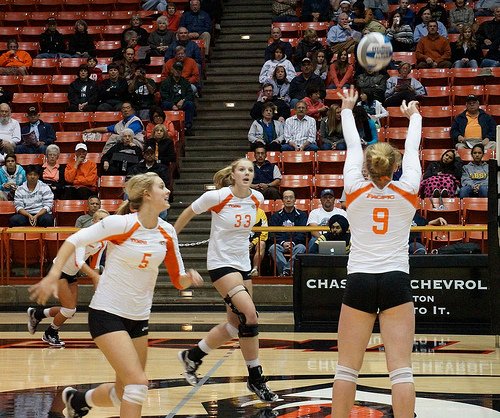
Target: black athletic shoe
{"type": "Point", "coordinates": [51, 337]}
{"type": "Point", "coordinates": [259, 387]}
{"type": "Point", "coordinates": [70, 411]}
{"type": "Point", "coordinates": [190, 367]}
{"type": "Point", "coordinates": [32, 321]}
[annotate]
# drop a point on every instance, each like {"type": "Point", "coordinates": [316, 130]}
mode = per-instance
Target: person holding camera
{"type": "Point", "coordinates": [142, 92]}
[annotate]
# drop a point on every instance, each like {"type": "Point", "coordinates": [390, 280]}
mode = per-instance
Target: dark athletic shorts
{"type": "Point", "coordinates": [69, 279]}
{"type": "Point", "coordinates": [371, 293]}
{"type": "Point", "coordinates": [216, 274]}
{"type": "Point", "coordinates": [102, 322]}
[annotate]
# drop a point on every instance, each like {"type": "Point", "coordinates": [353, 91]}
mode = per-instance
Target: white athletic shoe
{"type": "Point", "coordinates": [190, 367]}
{"type": "Point", "coordinates": [32, 321]}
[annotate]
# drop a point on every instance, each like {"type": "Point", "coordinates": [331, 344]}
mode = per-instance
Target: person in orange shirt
{"type": "Point", "coordinates": [190, 70]}
{"type": "Point", "coordinates": [315, 106]}
{"type": "Point", "coordinates": [14, 61]}
{"type": "Point", "coordinates": [157, 117]}
{"type": "Point", "coordinates": [80, 175]}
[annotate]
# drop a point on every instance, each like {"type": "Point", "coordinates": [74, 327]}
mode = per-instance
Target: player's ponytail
{"type": "Point", "coordinates": [381, 160]}
{"type": "Point", "coordinates": [223, 177]}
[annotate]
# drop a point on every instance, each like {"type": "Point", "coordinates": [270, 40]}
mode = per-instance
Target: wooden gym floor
{"type": "Point", "coordinates": [456, 376]}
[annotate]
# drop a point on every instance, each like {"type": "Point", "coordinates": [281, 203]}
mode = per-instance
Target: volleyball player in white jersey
{"type": "Point", "coordinates": [119, 310]}
{"type": "Point", "coordinates": [234, 210]}
{"type": "Point", "coordinates": [380, 212]}
{"type": "Point", "coordinates": [68, 289]}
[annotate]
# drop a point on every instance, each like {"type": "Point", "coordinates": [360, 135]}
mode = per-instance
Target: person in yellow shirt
{"type": "Point", "coordinates": [258, 243]}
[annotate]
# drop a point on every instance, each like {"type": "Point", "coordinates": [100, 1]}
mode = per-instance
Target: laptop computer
{"type": "Point", "coordinates": [331, 247]}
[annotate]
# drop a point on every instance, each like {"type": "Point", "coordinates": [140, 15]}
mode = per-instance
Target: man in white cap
{"type": "Point", "coordinates": [80, 175]}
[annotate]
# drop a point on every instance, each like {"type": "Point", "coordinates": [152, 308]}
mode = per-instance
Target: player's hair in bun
{"type": "Point", "coordinates": [381, 158]}
{"type": "Point", "coordinates": [135, 189]}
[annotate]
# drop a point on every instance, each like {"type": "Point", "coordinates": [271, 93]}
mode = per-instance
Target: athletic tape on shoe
{"type": "Point", "coordinates": [135, 394]}
{"type": "Point", "coordinates": [402, 375]}
{"type": "Point", "coordinates": [346, 373]}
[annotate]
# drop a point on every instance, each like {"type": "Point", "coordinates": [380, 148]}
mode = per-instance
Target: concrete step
{"type": "Point", "coordinates": [223, 62]}
{"type": "Point", "coordinates": [247, 71]}
{"type": "Point", "coordinates": [218, 95]}
{"type": "Point", "coordinates": [249, 15]}
{"type": "Point", "coordinates": [242, 53]}
{"type": "Point", "coordinates": [224, 113]}
{"type": "Point", "coordinates": [234, 152]}
{"type": "Point", "coordinates": [236, 38]}
{"type": "Point", "coordinates": [220, 105]}
{"type": "Point", "coordinates": [243, 27]}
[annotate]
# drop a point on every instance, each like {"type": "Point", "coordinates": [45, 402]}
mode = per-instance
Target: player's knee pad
{"type": "Point", "coordinates": [114, 397]}
{"type": "Point", "coordinates": [246, 330]}
{"type": "Point", "coordinates": [346, 373]}
{"type": "Point", "coordinates": [135, 394]}
{"type": "Point", "coordinates": [67, 312]}
{"type": "Point", "coordinates": [402, 375]}
{"type": "Point", "coordinates": [228, 299]}
{"type": "Point", "coordinates": [231, 330]}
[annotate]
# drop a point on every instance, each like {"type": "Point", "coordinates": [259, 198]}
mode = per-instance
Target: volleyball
{"type": "Point", "coordinates": [374, 51]}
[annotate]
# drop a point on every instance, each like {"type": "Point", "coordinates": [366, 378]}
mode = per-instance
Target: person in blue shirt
{"type": "Point", "coordinates": [198, 23]}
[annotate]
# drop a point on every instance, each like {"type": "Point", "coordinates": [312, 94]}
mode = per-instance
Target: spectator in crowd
{"type": "Point", "coordinates": [122, 155]}
{"type": "Point", "coordinates": [459, 16]}
{"type": "Point", "coordinates": [371, 24]}
{"type": "Point", "coordinates": [442, 178]}
{"type": "Point", "coordinates": [421, 29]}
{"type": "Point", "coordinates": [415, 245]}
{"type": "Point", "coordinates": [485, 7]}
{"type": "Point", "coordinates": [281, 85]}
{"type": "Point", "coordinates": [284, 11]}
{"type": "Point", "coordinates": [93, 205]}
{"type": "Point", "coordinates": [492, 57]}
{"type": "Point", "coordinates": [214, 8]}
{"type": "Point", "coordinates": [286, 47]}
{"type": "Point", "coordinates": [489, 31]}
{"type": "Point", "coordinates": [307, 46]}
{"type": "Point", "coordinates": [112, 91]}
{"type": "Point", "coordinates": [316, 108]}
{"type": "Point", "coordinates": [157, 117]}
{"type": "Point", "coordinates": [366, 126]}
{"type": "Point", "coordinates": [130, 120]}
{"type": "Point", "coordinates": [292, 243]}
{"type": "Point", "coordinates": [465, 53]}
{"type": "Point", "coordinates": [475, 175]}
{"type": "Point", "coordinates": [372, 82]}
{"type": "Point", "coordinates": [158, 5]}
{"type": "Point", "coordinates": [269, 66]}
{"type": "Point", "coordinates": [190, 69]}
{"type": "Point", "coordinates": [192, 50]}
{"type": "Point", "coordinates": [15, 61]}
{"type": "Point", "coordinates": [36, 134]}
{"type": "Point", "coordinates": [438, 12]}
{"type": "Point", "coordinates": [142, 34]}
{"type": "Point", "coordinates": [142, 92]}
{"type": "Point", "coordinates": [407, 15]}
{"type": "Point", "coordinates": [331, 133]}
{"type": "Point", "coordinates": [300, 131]}
{"type": "Point", "coordinates": [257, 244]}
{"type": "Point", "coordinates": [282, 110]}
{"type": "Point", "coordinates": [357, 19]}
{"type": "Point", "coordinates": [403, 87]}
{"type": "Point", "coordinates": [267, 176]}
{"type": "Point", "coordinates": [160, 39]}
{"type": "Point", "coordinates": [33, 201]}
{"type": "Point", "coordinates": [162, 145]}
{"type": "Point", "coordinates": [342, 36]}
{"type": "Point", "coordinates": [80, 175]}
{"type": "Point", "coordinates": [127, 64]}
{"type": "Point", "coordinates": [177, 94]}
{"type": "Point", "coordinates": [95, 73]}
{"type": "Point", "coordinates": [53, 171]}
{"type": "Point", "coordinates": [10, 131]}
{"type": "Point", "coordinates": [378, 7]}
{"type": "Point", "coordinates": [320, 64]}
{"type": "Point", "coordinates": [81, 44]}
{"type": "Point", "coordinates": [83, 95]}
{"type": "Point", "coordinates": [400, 33]}
{"type": "Point", "coordinates": [473, 126]}
{"type": "Point", "coordinates": [338, 231]}
{"type": "Point", "coordinates": [5, 96]}
{"type": "Point", "coordinates": [12, 175]}
{"type": "Point", "coordinates": [174, 18]}
{"type": "Point", "coordinates": [340, 73]}
{"type": "Point", "coordinates": [198, 23]}
{"type": "Point", "coordinates": [343, 7]}
{"type": "Point", "coordinates": [321, 216]}
{"type": "Point", "coordinates": [315, 11]}
{"type": "Point", "coordinates": [299, 85]}
{"type": "Point", "coordinates": [266, 131]}
{"type": "Point", "coordinates": [52, 44]}
{"type": "Point", "coordinates": [433, 50]}
{"type": "Point", "coordinates": [373, 108]}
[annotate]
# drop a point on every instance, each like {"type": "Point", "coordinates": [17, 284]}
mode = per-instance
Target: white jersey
{"type": "Point", "coordinates": [232, 221]}
{"type": "Point", "coordinates": [77, 259]}
{"type": "Point", "coordinates": [320, 216]}
{"type": "Point", "coordinates": [134, 253]}
{"type": "Point", "coordinates": [380, 219]}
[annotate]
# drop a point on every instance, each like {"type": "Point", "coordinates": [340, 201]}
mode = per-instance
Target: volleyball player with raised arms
{"type": "Point", "coordinates": [138, 241]}
{"type": "Point", "coordinates": [234, 210]}
{"type": "Point", "coordinates": [380, 212]}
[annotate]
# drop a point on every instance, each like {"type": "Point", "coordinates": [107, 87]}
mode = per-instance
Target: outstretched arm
{"type": "Point", "coordinates": [183, 219]}
{"type": "Point", "coordinates": [411, 162]}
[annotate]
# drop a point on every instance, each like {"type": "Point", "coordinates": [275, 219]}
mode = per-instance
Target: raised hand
{"type": "Point", "coordinates": [410, 109]}
{"type": "Point", "coordinates": [349, 98]}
